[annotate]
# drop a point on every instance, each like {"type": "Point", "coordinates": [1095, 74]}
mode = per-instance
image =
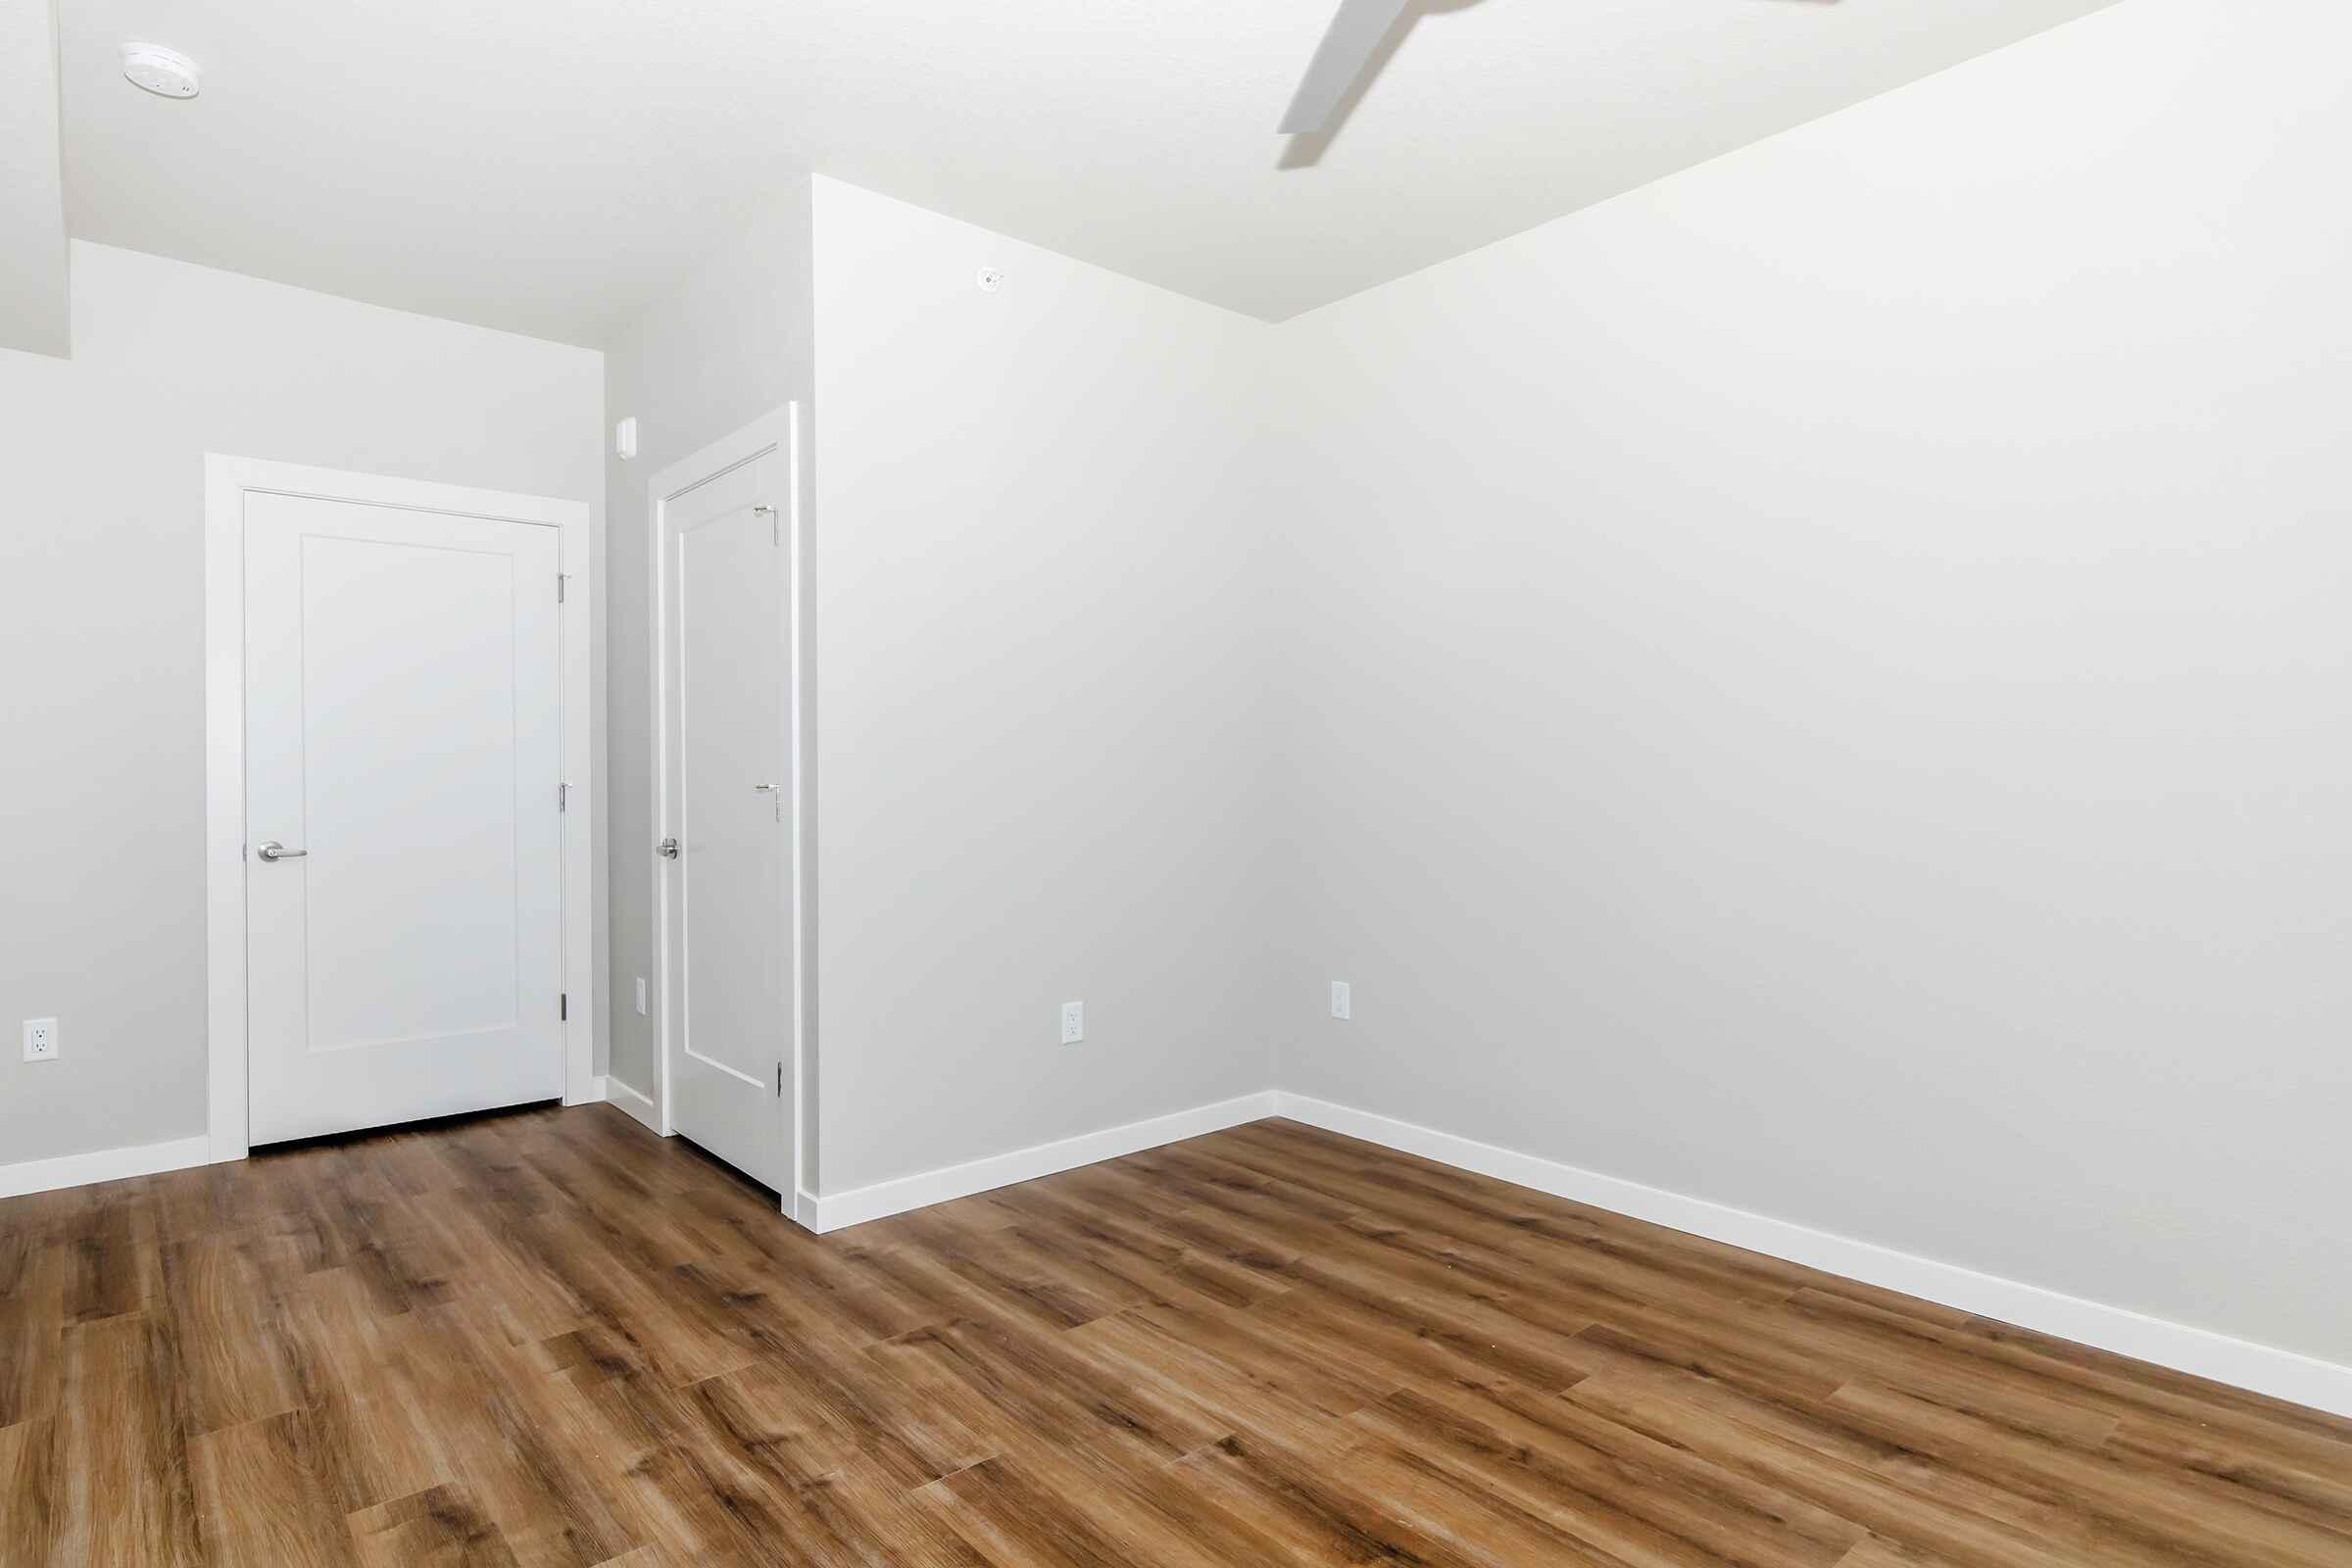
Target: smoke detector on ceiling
{"type": "Point", "coordinates": [166, 73]}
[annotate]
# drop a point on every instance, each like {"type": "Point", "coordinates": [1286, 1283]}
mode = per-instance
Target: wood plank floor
{"type": "Point", "coordinates": [549, 1339]}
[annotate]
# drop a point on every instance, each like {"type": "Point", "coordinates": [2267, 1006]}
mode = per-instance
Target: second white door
{"type": "Point", "coordinates": [727, 812]}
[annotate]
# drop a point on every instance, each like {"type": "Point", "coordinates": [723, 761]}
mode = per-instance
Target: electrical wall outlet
{"type": "Point", "coordinates": [1073, 1022]}
{"type": "Point", "coordinates": [641, 996]}
{"type": "Point", "coordinates": [1341, 1002]}
{"type": "Point", "coordinates": [40, 1040]}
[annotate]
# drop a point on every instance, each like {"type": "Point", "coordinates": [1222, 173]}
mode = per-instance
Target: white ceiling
{"type": "Point", "coordinates": [544, 166]}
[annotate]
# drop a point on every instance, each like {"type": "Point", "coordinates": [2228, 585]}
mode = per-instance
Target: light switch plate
{"type": "Point", "coordinates": [1341, 1004]}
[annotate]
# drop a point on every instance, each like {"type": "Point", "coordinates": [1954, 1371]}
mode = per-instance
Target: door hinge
{"type": "Point", "coordinates": [560, 580]}
{"type": "Point", "coordinates": [779, 1080]}
{"type": "Point", "coordinates": [563, 797]}
{"type": "Point", "coordinates": [563, 1004]}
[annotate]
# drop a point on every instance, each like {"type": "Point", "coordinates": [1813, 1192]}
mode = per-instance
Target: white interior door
{"type": "Point", "coordinates": [728, 800]}
{"type": "Point", "coordinates": [403, 878]}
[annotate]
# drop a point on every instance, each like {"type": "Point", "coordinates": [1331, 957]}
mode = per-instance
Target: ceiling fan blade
{"type": "Point", "coordinates": [1347, 48]}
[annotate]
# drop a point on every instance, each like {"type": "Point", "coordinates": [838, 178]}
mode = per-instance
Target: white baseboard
{"type": "Point", "coordinates": [834, 1210]}
{"type": "Point", "coordinates": [636, 1102]}
{"type": "Point", "coordinates": [801, 1208]}
{"type": "Point", "coordinates": [2264, 1369]}
{"type": "Point", "coordinates": [102, 1166]}
{"type": "Point", "coordinates": [2282, 1374]}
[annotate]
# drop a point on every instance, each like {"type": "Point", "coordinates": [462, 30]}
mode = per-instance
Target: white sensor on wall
{"type": "Point", "coordinates": [625, 438]}
{"type": "Point", "coordinates": [166, 73]}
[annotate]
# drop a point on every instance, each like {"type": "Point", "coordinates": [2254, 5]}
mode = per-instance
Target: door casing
{"type": "Point", "coordinates": [778, 431]}
{"type": "Point", "coordinates": [227, 481]}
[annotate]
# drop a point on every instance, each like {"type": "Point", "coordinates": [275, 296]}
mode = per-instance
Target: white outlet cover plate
{"type": "Point", "coordinates": [34, 1032]}
{"type": "Point", "coordinates": [1073, 1022]}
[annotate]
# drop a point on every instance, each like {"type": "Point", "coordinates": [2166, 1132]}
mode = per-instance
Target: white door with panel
{"type": "Point", "coordinates": [727, 812]}
{"type": "Point", "coordinates": [404, 828]}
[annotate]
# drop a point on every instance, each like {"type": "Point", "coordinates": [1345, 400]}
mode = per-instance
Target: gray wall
{"type": "Point", "coordinates": [102, 626]}
{"type": "Point", "coordinates": [731, 341]}
{"type": "Point", "coordinates": [1041, 711]}
{"type": "Point", "coordinates": [1826, 684]}
{"type": "Point", "coordinates": [1040, 600]}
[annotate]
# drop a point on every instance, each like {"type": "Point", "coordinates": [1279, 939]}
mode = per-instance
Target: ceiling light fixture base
{"type": "Point", "coordinates": [166, 73]}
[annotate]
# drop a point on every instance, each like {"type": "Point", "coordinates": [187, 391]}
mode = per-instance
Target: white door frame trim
{"type": "Point", "coordinates": [226, 479]}
{"type": "Point", "coordinates": [778, 430]}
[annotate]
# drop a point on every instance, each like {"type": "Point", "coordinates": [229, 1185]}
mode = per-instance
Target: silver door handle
{"type": "Point", "coordinates": [767, 786]}
{"type": "Point", "coordinates": [668, 849]}
{"type": "Point", "coordinates": [275, 850]}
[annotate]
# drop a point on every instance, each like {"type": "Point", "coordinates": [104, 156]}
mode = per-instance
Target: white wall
{"type": "Point", "coordinates": [1041, 708]}
{"type": "Point", "coordinates": [35, 303]}
{"type": "Point", "coordinates": [101, 627]}
{"type": "Point", "coordinates": [1826, 684]}
{"type": "Point", "coordinates": [726, 344]}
